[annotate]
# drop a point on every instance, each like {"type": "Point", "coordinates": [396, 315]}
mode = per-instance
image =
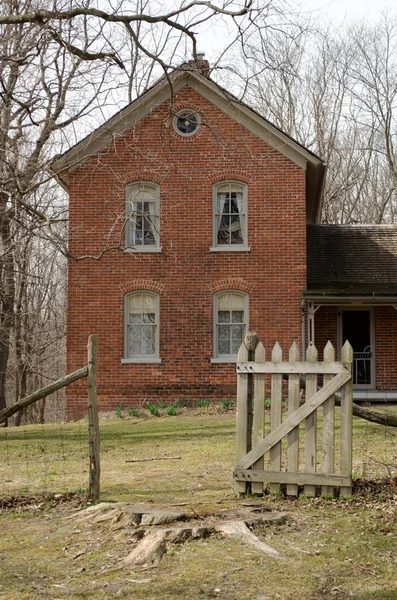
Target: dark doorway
{"type": "Point", "coordinates": [356, 327]}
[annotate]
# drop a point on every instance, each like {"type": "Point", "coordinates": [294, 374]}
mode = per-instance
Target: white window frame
{"type": "Point", "coordinates": [227, 358]}
{"type": "Point", "coordinates": [143, 358]}
{"type": "Point", "coordinates": [131, 190]}
{"type": "Point", "coordinates": [187, 112]}
{"type": "Point", "coordinates": [216, 247]}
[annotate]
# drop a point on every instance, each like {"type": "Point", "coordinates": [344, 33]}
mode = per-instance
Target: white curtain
{"type": "Point", "coordinates": [240, 203]}
{"type": "Point", "coordinates": [153, 219]}
{"type": "Point", "coordinates": [221, 199]}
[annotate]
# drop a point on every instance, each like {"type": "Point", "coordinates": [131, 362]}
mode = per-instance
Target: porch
{"type": "Point", "coordinates": [371, 329]}
{"type": "Point", "coordinates": [352, 295]}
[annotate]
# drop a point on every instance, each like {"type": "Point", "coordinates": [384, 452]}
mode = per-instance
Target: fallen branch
{"type": "Point", "coordinates": [360, 411]}
{"type": "Point", "coordinates": [371, 415]}
{"type": "Point", "coordinates": [136, 460]}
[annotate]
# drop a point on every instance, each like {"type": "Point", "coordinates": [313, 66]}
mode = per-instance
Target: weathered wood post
{"type": "Point", "coordinates": [276, 399]}
{"type": "Point", "coordinates": [93, 422]}
{"type": "Point", "coordinates": [251, 342]}
{"type": "Point", "coordinates": [346, 421]}
{"type": "Point", "coordinates": [244, 415]}
{"type": "Point", "coordinates": [293, 405]}
{"type": "Point", "coordinates": [328, 425]}
{"type": "Point", "coordinates": [258, 422]}
{"type": "Point", "coordinates": [311, 423]}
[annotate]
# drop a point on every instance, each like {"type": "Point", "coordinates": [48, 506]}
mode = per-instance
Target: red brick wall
{"type": "Point", "coordinates": [186, 274]}
{"type": "Point", "coordinates": [385, 348]}
{"type": "Point", "coordinates": [325, 329]}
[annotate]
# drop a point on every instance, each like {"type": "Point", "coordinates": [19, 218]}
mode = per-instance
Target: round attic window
{"type": "Point", "coordinates": [186, 122]}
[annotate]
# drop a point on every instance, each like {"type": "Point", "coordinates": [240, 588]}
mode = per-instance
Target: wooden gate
{"type": "Point", "coordinates": [292, 443]}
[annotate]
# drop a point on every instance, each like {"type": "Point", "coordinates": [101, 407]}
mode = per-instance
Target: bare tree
{"type": "Point", "coordinates": [336, 94]}
{"type": "Point", "coordinates": [39, 83]}
{"type": "Point", "coordinates": [64, 67]}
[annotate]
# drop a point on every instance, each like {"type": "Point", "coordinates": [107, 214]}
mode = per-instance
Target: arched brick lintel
{"type": "Point", "coordinates": [231, 283]}
{"type": "Point", "coordinates": [147, 285]}
{"type": "Point", "coordinates": [131, 175]}
{"type": "Point", "coordinates": [226, 175]}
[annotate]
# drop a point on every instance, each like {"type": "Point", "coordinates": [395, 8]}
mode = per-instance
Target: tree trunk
{"type": "Point", "coordinates": [7, 294]}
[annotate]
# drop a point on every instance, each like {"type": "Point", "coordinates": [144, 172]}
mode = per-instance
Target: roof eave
{"type": "Point", "coordinates": [340, 299]}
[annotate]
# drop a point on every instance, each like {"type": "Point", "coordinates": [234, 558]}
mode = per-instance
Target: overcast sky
{"type": "Point", "coordinates": [354, 9]}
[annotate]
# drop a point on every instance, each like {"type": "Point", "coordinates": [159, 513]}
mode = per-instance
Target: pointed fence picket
{"type": "Point", "coordinates": [251, 470]}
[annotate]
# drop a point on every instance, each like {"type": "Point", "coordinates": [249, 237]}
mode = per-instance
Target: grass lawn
{"type": "Point", "coordinates": [333, 549]}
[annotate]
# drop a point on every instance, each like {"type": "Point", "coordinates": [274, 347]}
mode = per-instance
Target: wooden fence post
{"type": "Point", "coordinates": [346, 421]}
{"type": "Point", "coordinates": [311, 424]}
{"type": "Point", "coordinates": [293, 405]}
{"type": "Point", "coordinates": [276, 415]}
{"type": "Point", "coordinates": [93, 423]}
{"type": "Point", "coordinates": [251, 342]}
{"type": "Point", "coordinates": [328, 426]}
{"type": "Point", "coordinates": [244, 414]}
{"type": "Point", "coordinates": [258, 422]}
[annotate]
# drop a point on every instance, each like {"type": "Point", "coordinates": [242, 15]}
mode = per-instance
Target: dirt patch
{"type": "Point", "coordinates": [385, 489]}
{"type": "Point", "coordinates": [66, 501]}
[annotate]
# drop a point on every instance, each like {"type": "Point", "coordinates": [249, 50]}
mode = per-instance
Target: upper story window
{"type": "Point", "coordinates": [230, 324]}
{"type": "Point", "coordinates": [230, 216]}
{"type": "Point", "coordinates": [141, 331]}
{"type": "Point", "coordinates": [186, 122]}
{"type": "Point", "coordinates": [142, 213]}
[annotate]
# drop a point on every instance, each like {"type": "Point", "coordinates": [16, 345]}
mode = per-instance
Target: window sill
{"type": "Point", "coordinates": [224, 360]}
{"type": "Point", "coordinates": [230, 248]}
{"type": "Point", "coordinates": [126, 361]}
{"type": "Point", "coordinates": [143, 250]}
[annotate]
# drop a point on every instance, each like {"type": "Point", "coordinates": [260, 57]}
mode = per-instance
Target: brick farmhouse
{"type": "Point", "coordinates": [194, 219]}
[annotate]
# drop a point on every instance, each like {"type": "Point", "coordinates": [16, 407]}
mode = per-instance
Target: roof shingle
{"type": "Point", "coordinates": [351, 260]}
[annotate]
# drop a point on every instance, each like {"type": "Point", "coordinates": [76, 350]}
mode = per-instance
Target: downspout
{"type": "Point", "coordinates": [303, 330]}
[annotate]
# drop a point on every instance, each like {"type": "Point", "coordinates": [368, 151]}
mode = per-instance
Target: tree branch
{"type": "Point", "coordinates": [41, 17]}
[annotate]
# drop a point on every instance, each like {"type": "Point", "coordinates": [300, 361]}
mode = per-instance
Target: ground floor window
{"type": "Point", "coordinates": [141, 326]}
{"type": "Point", "coordinates": [230, 323]}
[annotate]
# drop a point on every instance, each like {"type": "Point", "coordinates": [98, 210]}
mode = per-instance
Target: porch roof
{"type": "Point", "coordinates": [352, 262]}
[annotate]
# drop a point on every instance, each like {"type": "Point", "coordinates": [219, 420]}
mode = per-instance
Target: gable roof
{"type": "Point", "coordinates": [188, 75]}
{"type": "Point", "coordinates": [352, 260]}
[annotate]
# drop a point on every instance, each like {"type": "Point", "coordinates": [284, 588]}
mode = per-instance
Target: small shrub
{"type": "Point", "coordinates": [171, 410]}
{"type": "Point", "coordinates": [267, 404]}
{"type": "Point", "coordinates": [132, 412]}
{"type": "Point", "coordinates": [119, 411]}
{"type": "Point", "coordinates": [153, 409]}
{"type": "Point", "coordinates": [182, 403]}
{"type": "Point", "coordinates": [204, 403]}
{"type": "Point", "coordinates": [227, 404]}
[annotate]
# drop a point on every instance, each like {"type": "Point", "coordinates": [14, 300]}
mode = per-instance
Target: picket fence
{"type": "Point", "coordinates": [292, 446]}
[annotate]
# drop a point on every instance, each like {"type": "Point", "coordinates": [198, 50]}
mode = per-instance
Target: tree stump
{"type": "Point", "coordinates": [144, 523]}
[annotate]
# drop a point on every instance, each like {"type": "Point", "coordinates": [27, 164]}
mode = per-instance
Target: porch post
{"type": "Point", "coordinates": [310, 323]}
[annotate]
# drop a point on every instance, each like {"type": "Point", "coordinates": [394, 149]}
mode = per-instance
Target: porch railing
{"type": "Point", "coordinates": [362, 367]}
